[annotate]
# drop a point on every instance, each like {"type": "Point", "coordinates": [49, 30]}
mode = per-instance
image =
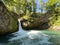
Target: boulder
{"type": "Point", "coordinates": [8, 21]}
{"type": "Point", "coordinates": [39, 22]}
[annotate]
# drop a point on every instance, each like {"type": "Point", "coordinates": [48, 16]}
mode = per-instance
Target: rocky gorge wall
{"type": "Point", "coordinates": [42, 22]}
{"type": "Point", "coordinates": [8, 21]}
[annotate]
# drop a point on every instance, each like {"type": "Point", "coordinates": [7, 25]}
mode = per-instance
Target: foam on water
{"type": "Point", "coordinates": [33, 38]}
{"type": "Point", "coordinates": [30, 37]}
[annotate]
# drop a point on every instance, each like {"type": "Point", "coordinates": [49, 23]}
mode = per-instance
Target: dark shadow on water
{"type": "Point", "coordinates": [5, 39]}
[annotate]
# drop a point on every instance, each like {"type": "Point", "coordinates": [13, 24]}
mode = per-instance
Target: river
{"type": "Point", "coordinates": [32, 37]}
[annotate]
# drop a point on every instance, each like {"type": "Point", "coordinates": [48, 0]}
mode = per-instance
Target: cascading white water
{"type": "Point", "coordinates": [31, 37]}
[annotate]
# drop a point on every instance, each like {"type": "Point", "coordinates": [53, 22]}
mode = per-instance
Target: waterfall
{"type": "Point", "coordinates": [32, 37]}
{"type": "Point", "coordinates": [20, 28]}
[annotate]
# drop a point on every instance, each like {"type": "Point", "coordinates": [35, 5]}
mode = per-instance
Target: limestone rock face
{"type": "Point", "coordinates": [40, 22]}
{"type": "Point", "coordinates": [8, 21]}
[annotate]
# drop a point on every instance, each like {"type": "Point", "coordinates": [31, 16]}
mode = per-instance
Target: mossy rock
{"type": "Point", "coordinates": [8, 21]}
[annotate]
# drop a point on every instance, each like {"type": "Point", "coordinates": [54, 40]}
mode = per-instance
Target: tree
{"type": "Point", "coordinates": [19, 7]}
{"type": "Point", "coordinates": [41, 5]}
{"type": "Point", "coordinates": [52, 5]}
{"type": "Point", "coordinates": [53, 8]}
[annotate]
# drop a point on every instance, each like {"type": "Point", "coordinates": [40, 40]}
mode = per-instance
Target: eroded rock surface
{"type": "Point", "coordinates": [8, 21]}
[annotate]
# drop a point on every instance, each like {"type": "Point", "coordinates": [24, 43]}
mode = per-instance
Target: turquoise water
{"type": "Point", "coordinates": [33, 37]}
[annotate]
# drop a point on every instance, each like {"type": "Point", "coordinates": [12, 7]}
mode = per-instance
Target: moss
{"type": "Point", "coordinates": [13, 24]}
{"type": "Point", "coordinates": [8, 21]}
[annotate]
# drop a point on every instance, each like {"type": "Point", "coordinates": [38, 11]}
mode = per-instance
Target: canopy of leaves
{"type": "Point", "coordinates": [52, 5]}
{"type": "Point", "coordinates": [20, 6]}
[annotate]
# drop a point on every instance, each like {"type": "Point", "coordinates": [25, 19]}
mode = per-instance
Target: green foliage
{"type": "Point", "coordinates": [53, 8]}
{"type": "Point", "coordinates": [20, 6]}
{"type": "Point", "coordinates": [52, 5]}
{"type": "Point", "coordinates": [28, 18]}
{"type": "Point", "coordinates": [28, 6]}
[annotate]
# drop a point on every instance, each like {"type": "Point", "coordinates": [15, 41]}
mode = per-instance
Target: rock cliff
{"type": "Point", "coordinates": [8, 21]}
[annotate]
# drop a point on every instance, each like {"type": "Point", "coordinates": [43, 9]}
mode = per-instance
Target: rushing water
{"type": "Point", "coordinates": [32, 37]}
